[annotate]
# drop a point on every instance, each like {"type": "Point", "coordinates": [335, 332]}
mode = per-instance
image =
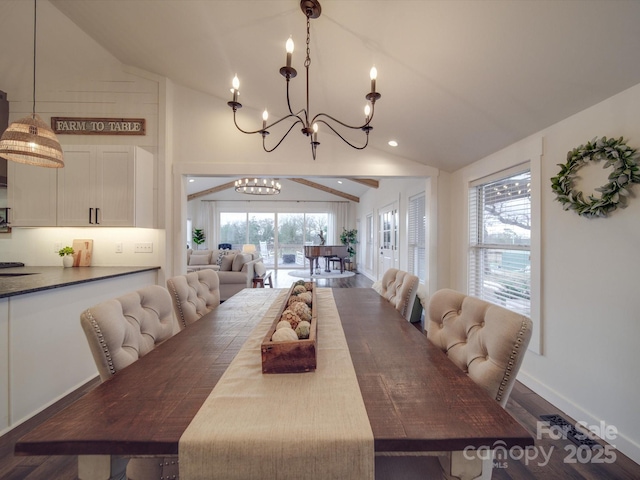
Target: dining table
{"type": "Point", "coordinates": [416, 400]}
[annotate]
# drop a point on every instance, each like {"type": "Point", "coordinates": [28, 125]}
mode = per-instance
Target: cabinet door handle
{"type": "Point", "coordinates": [97, 210]}
{"type": "Point", "coordinates": [91, 215]}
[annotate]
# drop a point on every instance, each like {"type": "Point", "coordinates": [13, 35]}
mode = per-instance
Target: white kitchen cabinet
{"type": "Point", "coordinates": [100, 186]}
{"type": "Point", "coordinates": [106, 186]}
{"type": "Point", "coordinates": [31, 195]}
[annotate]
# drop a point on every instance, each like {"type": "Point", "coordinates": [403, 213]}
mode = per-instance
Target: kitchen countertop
{"type": "Point", "coordinates": [46, 278]}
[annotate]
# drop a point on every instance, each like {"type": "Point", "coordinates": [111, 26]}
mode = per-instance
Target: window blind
{"type": "Point", "coordinates": [417, 237]}
{"type": "Point", "coordinates": [500, 239]}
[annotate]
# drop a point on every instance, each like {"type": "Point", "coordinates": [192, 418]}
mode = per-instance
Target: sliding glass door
{"type": "Point", "coordinates": [279, 237]}
{"type": "Point", "coordinates": [261, 233]}
{"type": "Point", "coordinates": [233, 229]}
{"type": "Point", "coordinates": [291, 240]}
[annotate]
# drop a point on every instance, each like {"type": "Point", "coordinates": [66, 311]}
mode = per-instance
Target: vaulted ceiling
{"type": "Point", "coordinates": [459, 79]}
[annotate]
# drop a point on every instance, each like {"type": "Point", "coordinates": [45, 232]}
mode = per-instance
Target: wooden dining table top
{"type": "Point", "coordinates": [416, 399]}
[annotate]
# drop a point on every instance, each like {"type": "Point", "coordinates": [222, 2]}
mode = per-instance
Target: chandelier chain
{"type": "Point", "coordinates": [307, 61]}
{"type": "Point", "coordinates": [35, 36]}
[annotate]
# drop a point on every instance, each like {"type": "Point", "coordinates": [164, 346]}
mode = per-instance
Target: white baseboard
{"type": "Point", "coordinates": [622, 443]}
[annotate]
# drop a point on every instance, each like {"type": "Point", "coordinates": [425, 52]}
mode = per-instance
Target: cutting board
{"type": "Point", "coordinates": [83, 249]}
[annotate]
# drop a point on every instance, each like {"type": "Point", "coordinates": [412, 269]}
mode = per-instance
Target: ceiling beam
{"type": "Point", "coordinates": [369, 182]}
{"type": "Point", "coordinates": [217, 189]}
{"type": "Point", "coordinates": [330, 190]}
{"type": "Point", "coordinates": [301, 181]}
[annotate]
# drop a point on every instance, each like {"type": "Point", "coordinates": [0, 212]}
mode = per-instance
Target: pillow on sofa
{"type": "Point", "coordinates": [199, 260]}
{"type": "Point", "coordinates": [226, 262]}
{"type": "Point", "coordinates": [199, 253]}
{"type": "Point", "coordinates": [221, 255]}
{"type": "Point", "coordinates": [239, 261]}
{"type": "Point", "coordinates": [260, 269]}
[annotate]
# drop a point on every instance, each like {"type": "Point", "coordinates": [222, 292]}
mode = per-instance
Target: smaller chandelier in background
{"type": "Point", "coordinates": [257, 186]}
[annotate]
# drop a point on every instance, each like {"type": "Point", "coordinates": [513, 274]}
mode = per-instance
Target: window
{"type": "Point", "coordinates": [500, 239]}
{"type": "Point", "coordinates": [369, 254]}
{"type": "Point", "coordinates": [262, 234]}
{"type": "Point", "coordinates": [279, 237]}
{"type": "Point", "coordinates": [290, 238]}
{"type": "Point", "coordinates": [189, 233]}
{"type": "Point", "coordinates": [233, 229]}
{"type": "Point", "coordinates": [417, 237]}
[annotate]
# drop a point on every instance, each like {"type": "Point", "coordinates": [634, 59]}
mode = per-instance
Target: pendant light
{"type": "Point", "coordinates": [30, 140]}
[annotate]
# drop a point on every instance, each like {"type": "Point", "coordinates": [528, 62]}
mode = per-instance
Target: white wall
{"type": "Point", "coordinates": [391, 191]}
{"type": "Point", "coordinates": [589, 290]}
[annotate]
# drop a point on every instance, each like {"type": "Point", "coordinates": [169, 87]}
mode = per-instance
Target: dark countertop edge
{"type": "Point", "coordinates": [40, 288]}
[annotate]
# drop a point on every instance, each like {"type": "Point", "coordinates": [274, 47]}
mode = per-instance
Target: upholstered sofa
{"type": "Point", "coordinates": [234, 268]}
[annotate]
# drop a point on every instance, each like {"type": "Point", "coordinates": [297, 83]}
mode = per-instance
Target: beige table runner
{"type": "Point", "coordinates": [289, 426]}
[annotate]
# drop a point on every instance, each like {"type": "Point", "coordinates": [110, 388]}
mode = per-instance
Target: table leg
{"type": "Point", "coordinates": [102, 467]}
{"type": "Point", "coordinates": [468, 465]}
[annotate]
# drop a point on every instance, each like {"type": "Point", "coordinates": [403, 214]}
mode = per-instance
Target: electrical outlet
{"type": "Point", "coordinates": [118, 247]}
{"type": "Point", "coordinates": [143, 247]}
{"type": "Point", "coordinates": [57, 247]}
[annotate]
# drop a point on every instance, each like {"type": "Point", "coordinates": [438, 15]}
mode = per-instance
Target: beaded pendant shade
{"type": "Point", "coordinates": [30, 140]}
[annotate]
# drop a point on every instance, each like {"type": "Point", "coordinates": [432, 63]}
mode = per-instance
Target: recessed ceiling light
{"type": "Point", "coordinates": [191, 180]}
{"type": "Point", "coordinates": [393, 143]}
{"type": "Point", "coordinates": [340, 182]}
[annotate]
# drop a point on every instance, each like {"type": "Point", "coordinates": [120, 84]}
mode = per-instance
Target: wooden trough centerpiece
{"type": "Point", "coordinates": [292, 355]}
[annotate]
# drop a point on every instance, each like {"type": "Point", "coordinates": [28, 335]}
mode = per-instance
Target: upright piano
{"type": "Point", "coordinates": [329, 252]}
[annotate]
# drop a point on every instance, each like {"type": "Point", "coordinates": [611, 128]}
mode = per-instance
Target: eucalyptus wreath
{"type": "Point", "coordinates": [615, 193]}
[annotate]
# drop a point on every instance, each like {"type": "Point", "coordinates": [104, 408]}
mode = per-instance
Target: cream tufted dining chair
{"type": "Point", "coordinates": [194, 295]}
{"type": "Point", "coordinates": [119, 332]}
{"type": "Point", "coordinates": [486, 341]}
{"type": "Point", "coordinates": [400, 289]}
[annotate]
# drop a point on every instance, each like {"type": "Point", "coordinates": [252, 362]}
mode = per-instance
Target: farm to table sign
{"type": "Point", "coordinates": [98, 126]}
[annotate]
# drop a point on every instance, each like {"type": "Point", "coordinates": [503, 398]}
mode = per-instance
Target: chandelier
{"type": "Point", "coordinates": [29, 140]}
{"type": "Point", "coordinates": [257, 186]}
{"type": "Point", "coordinates": [311, 9]}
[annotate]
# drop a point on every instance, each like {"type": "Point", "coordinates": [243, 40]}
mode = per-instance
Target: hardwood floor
{"type": "Point", "coordinates": [524, 405]}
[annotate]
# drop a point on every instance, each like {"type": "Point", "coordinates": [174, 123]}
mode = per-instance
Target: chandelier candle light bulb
{"type": "Point", "coordinates": [236, 86]}
{"type": "Point", "coordinates": [289, 48]}
{"type": "Point", "coordinates": [265, 117]}
{"type": "Point", "coordinates": [373, 74]}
